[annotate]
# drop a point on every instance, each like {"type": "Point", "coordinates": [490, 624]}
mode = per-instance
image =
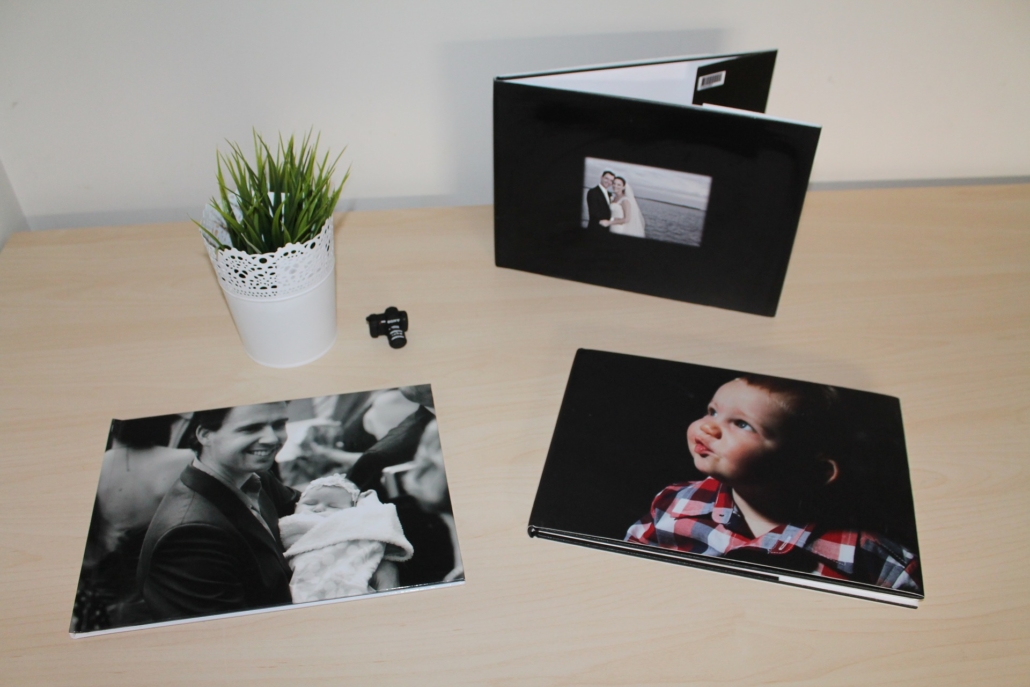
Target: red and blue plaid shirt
{"type": "Point", "coordinates": [701, 517]}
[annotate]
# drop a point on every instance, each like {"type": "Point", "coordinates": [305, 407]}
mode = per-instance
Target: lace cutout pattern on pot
{"type": "Point", "coordinates": [292, 269]}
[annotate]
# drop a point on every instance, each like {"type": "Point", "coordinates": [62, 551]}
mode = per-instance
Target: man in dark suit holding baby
{"type": "Point", "coordinates": [213, 546]}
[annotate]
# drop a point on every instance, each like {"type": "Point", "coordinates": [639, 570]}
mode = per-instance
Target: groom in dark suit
{"type": "Point", "coordinates": [213, 546]}
{"type": "Point", "coordinates": [598, 201]}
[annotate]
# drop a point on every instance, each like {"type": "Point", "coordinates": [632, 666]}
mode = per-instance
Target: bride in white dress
{"type": "Point", "coordinates": [626, 217]}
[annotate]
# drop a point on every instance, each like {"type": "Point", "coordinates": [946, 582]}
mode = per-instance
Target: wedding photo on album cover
{"type": "Point", "coordinates": [261, 507]}
{"type": "Point", "coordinates": [644, 202]}
{"type": "Point", "coordinates": [777, 479]}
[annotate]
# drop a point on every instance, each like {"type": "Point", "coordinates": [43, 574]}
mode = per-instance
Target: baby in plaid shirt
{"type": "Point", "coordinates": [767, 447]}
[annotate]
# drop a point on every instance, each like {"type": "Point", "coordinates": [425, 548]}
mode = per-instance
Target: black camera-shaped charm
{"type": "Point", "coordinates": [392, 324]}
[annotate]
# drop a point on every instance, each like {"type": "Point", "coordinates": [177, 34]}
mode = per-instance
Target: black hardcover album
{"type": "Point", "coordinates": [663, 178]}
{"type": "Point", "coordinates": [254, 508]}
{"type": "Point", "coordinates": [775, 479]}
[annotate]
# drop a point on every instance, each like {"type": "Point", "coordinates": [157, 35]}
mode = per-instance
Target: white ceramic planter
{"type": "Point", "coordinates": [283, 303]}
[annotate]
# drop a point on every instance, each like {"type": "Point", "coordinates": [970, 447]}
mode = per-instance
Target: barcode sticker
{"type": "Point", "coordinates": [711, 80]}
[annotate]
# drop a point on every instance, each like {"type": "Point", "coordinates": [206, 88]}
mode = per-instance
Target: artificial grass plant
{"type": "Point", "coordinates": [281, 199]}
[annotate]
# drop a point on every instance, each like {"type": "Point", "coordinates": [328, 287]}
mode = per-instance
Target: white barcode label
{"type": "Point", "coordinates": [711, 80]}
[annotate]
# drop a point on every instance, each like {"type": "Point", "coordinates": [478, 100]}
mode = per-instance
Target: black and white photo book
{"type": "Point", "coordinates": [260, 507]}
{"type": "Point", "coordinates": [770, 478]}
{"type": "Point", "coordinates": [663, 178]}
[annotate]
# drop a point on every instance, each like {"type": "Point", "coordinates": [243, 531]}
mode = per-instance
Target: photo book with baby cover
{"type": "Point", "coordinates": [774, 479]}
{"type": "Point", "coordinates": [663, 178]}
{"type": "Point", "coordinates": [254, 508]}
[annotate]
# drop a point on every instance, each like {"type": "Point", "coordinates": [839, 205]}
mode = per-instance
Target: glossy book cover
{"type": "Point", "coordinates": [776, 479]}
{"type": "Point", "coordinates": [261, 507]}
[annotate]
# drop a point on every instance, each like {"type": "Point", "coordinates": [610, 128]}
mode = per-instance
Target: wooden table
{"type": "Point", "coordinates": [919, 293]}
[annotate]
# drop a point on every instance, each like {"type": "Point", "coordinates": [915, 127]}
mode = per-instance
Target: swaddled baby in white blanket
{"type": "Point", "coordinates": [337, 539]}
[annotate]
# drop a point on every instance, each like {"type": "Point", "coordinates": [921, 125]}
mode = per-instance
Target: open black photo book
{"type": "Point", "coordinates": [770, 478]}
{"type": "Point", "coordinates": [662, 178]}
{"type": "Point", "coordinates": [260, 507]}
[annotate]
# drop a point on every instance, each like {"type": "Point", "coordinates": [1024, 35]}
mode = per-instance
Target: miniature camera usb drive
{"type": "Point", "coordinates": [392, 324]}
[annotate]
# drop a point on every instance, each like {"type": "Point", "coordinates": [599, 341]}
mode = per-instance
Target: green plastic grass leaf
{"type": "Point", "coordinates": [284, 197]}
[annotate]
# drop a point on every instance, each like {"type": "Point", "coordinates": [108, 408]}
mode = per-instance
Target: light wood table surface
{"type": "Point", "coordinates": [923, 294]}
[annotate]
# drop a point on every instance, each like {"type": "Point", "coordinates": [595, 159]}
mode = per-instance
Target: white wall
{"type": "Point", "coordinates": [11, 217]}
{"type": "Point", "coordinates": [110, 112]}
